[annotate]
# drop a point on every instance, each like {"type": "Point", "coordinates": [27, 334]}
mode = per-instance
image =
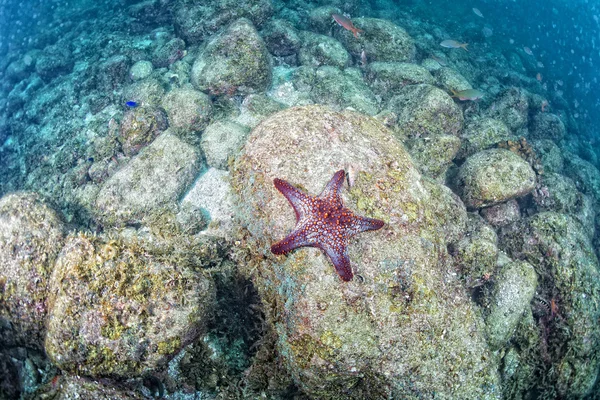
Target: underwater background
{"type": "Point", "coordinates": [154, 154]}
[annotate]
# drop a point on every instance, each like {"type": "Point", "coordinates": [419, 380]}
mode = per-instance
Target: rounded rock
{"type": "Point", "coordinates": [494, 176]}
{"type": "Point", "coordinates": [139, 127]}
{"type": "Point", "coordinates": [140, 70]}
{"type": "Point", "coordinates": [31, 235]}
{"type": "Point", "coordinates": [188, 109]}
{"type": "Point", "coordinates": [116, 309]}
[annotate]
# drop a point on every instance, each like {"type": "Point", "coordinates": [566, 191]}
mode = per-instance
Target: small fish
{"type": "Point", "coordinates": [544, 105]}
{"type": "Point", "coordinates": [131, 104]}
{"type": "Point", "coordinates": [477, 12]}
{"type": "Point", "coordinates": [363, 58]}
{"type": "Point", "coordinates": [527, 50]}
{"type": "Point", "coordinates": [538, 76]}
{"type": "Point", "coordinates": [453, 44]}
{"type": "Point", "coordinates": [346, 24]}
{"type": "Point", "coordinates": [468, 94]}
{"type": "Point", "coordinates": [540, 64]}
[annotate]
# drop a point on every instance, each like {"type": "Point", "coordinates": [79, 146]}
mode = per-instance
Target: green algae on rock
{"type": "Point", "coordinates": [477, 252]}
{"type": "Point", "coordinates": [434, 154]}
{"type": "Point", "coordinates": [189, 110]}
{"type": "Point", "coordinates": [482, 134]}
{"type": "Point", "coordinates": [381, 40]}
{"type": "Point", "coordinates": [155, 178]}
{"type": "Point", "coordinates": [494, 176]}
{"type": "Point", "coordinates": [564, 359]}
{"type": "Point", "coordinates": [118, 309]}
{"type": "Point", "coordinates": [317, 50]}
{"type": "Point", "coordinates": [386, 78]}
{"type": "Point", "coordinates": [235, 62]}
{"type": "Point", "coordinates": [139, 127]}
{"type": "Point", "coordinates": [404, 312]}
{"type": "Point", "coordinates": [425, 110]}
{"type": "Point", "coordinates": [514, 287]}
{"type": "Point", "coordinates": [31, 235]}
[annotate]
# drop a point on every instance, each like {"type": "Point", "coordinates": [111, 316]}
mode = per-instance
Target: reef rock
{"type": "Point", "coordinates": [381, 40]}
{"type": "Point", "coordinates": [494, 176]}
{"type": "Point", "coordinates": [31, 235]}
{"type": "Point", "coordinates": [117, 309]}
{"type": "Point", "coordinates": [561, 355]}
{"type": "Point", "coordinates": [234, 62]}
{"type": "Point", "coordinates": [404, 322]}
{"type": "Point", "coordinates": [155, 178]}
{"type": "Point", "coordinates": [425, 110]}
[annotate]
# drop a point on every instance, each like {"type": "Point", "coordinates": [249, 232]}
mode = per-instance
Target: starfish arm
{"type": "Point", "coordinates": [362, 224]}
{"type": "Point", "coordinates": [339, 257]}
{"type": "Point", "coordinates": [292, 241]}
{"type": "Point", "coordinates": [297, 199]}
{"type": "Point", "coordinates": [332, 190]}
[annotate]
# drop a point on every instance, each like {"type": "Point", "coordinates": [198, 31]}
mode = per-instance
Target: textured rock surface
{"type": "Point", "coordinates": [117, 309]}
{"type": "Point", "coordinates": [339, 339]}
{"type": "Point", "coordinates": [320, 50]}
{"type": "Point", "coordinates": [494, 176]}
{"type": "Point", "coordinates": [482, 134]}
{"type": "Point", "coordinates": [154, 178]}
{"type": "Point", "coordinates": [31, 235]}
{"type": "Point", "coordinates": [222, 140]}
{"type": "Point", "coordinates": [386, 78]}
{"type": "Point", "coordinates": [513, 290]}
{"type": "Point", "coordinates": [236, 61]}
{"type": "Point", "coordinates": [565, 351]}
{"type": "Point", "coordinates": [425, 110]}
{"type": "Point", "coordinates": [188, 109]}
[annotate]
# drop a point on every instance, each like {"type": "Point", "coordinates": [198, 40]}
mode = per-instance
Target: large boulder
{"type": "Point", "coordinates": [559, 352]}
{"type": "Point", "coordinates": [31, 235]}
{"type": "Point", "coordinates": [118, 309]}
{"type": "Point", "coordinates": [155, 178]}
{"type": "Point", "coordinates": [381, 40]}
{"type": "Point", "coordinates": [397, 315]}
{"type": "Point", "coordinates": [425, 110]}
{"type": "Point", "coordinates": [494, 176]}
{"type": "Point", "coordinates": [236, 61]}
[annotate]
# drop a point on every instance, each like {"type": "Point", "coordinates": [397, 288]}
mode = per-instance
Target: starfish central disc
{"type": "Point", "coordinates": [323, 222]}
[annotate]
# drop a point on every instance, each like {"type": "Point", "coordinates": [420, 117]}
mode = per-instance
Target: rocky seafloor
{"type": "Point", "coordinates": [135, 241]}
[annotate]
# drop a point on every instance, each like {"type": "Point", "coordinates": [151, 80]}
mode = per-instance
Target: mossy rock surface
{"type": "Point", "coordinates": [235, 62]}
{"type": "Point", "coordinates": [381, 40]}
{"type": "Point", "coordinates": [386, 78]}
{"type": "Point", "coordinates": [514, 287]}
{"type": "Point", "coordinates": [547, 126]}
{"type": "Point", "coordinates": [567, 358]}
{"type": "Point", "coordinates": [117, 309]}
{"type": "Point", "coordinates": [188, 109]}
{"type": "Point", "coordinates": [482, 134]}
{"type": "Point", "coordinates": [494, 176]}
{"type": "Point", "coordinates": [512, 108]}
{"type": "Point", "coordinates": [585, 175]}
{"type": "Point", "coordinates": [31, 235]}
{"type": "Point", "coordinates": [477, 252]}
{"type": "Point", "coordinates": [139, 127]}
{"type": "Point", "coordinates": [343, 339]}
{"type": "Point", "coordinates": [67, 387]}
{"type": "Point", "coordinates": [155, 178]}
{"type": "Point", "coordinates": [426, 110]}
{"type": "Point", "coordinates": [434, 154]}
{"type": "Point", "coordinates": [320, 50]}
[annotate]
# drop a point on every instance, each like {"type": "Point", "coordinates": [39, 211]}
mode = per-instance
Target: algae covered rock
{"type": "Point", "coordinates": [381, 40]}
{"type": "Point", "coordinates": [281, 37]}
{"type": "Point", "coordinates": [320, 50]}
{"type": "Point", "coordinates": [117, 309]}
{"type": "Point", "coordinates": [188, 109]}
{"type": "Point", "coordinates": [139, 127]}
{"type": "Point", "coordinates": [341, 89]}
{"type": "Point", "coordinates": [67, 387]}
{"type": "Point", "coordinates": [549, 154]}
{"type": "Point", "coordinates": [477, 252]}
{"type": "Point", "coordinates": [494, 176]}
{"type": "Point", "coordinates": [236, 61]}
{"type": "Point", "coordinates": [434, 154]}
{"type": "Point", "coordinates": [482, 134]}
{"type": "Point", "coordinates": [501, 214]}
{"type": "Point", "coordinates": [31, 235]}
{"type": "Point", "coordinates": [337, 339]}
{"type": "Point", "coordinates": [514, 287]}
{"type": "Point", "coordinates": [220, 141]}
{"type": "Point", "coordinates": [547, 126]}
{"type": "Point", "coordinates": [426, 110]}
{"type": "Point", "coordinates": [146, 92]}
{"type": "Point", "coordinates": [585, 175]}
{"type": "Point", "coordinates": [566, 356]}
{"type": "Point", "coordinates": [386, 78]}
{"type": "Point", "coordinates": [167, 53]}
{"type": "Point", "coordinates": [512, 108]}
{"type": "Point", "coordinates": [156, 177]}
{"type": "Point", "coordinates": [140, 70]}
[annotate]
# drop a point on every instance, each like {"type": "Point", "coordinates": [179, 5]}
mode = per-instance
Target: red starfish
{"type": "Point", "coordinates": [323, 222]}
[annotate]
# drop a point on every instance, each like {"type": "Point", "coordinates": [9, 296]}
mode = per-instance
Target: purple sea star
{"type": "Point", "coordinates": [323, 222]}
